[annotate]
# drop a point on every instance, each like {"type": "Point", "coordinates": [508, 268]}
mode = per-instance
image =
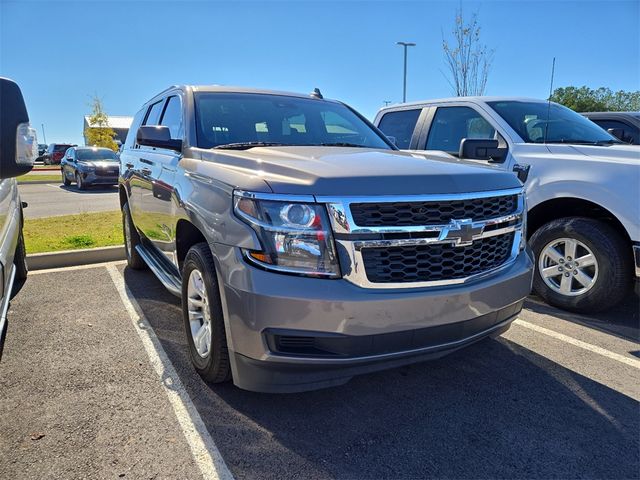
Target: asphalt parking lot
{"type": "Point", "coordinates": [51, 199]}
{"type": "Point", "coordinates": [95, 382]}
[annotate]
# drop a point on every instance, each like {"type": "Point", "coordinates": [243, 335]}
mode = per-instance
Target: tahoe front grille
{"type": "Point", "coordinates": [438, 261]}
{"type": "Point", "coordinates": [403, 214]}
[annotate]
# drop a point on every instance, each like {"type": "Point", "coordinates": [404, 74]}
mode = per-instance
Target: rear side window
{"type": "Point", "coordinates": [153, 117]}
{"type": "Point", "coordinates": [172, 117]}
{"type": "Point", "coordinates": [400, 125]}
{"type": "Point", "coordinates": [451, 124]}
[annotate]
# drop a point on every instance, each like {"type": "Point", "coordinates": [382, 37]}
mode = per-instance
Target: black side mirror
{"type": "Point", "coordinates": [157, 136]}
{"type": "Point", "coordinates": [18, 141]}
{"type": "Point", "coordinates": [481, 149]}
{"type": "Point", "coordinates": [617, 132]}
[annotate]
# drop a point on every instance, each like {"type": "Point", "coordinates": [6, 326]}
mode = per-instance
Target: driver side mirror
{"type": "Point", "coordinates": [617, 132]}
{"type": "Point", "coordinates": [18, 141]}
{"type": "Point", "coordinates": [481, 149]}
{"type": "Point", "coordinates": [157, 136]}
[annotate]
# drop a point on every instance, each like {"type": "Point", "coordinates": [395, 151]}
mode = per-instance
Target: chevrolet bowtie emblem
{"type": "Point", "coordinates": [461, 233]}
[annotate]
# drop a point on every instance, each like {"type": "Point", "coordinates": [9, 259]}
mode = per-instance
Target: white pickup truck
{"type": "Point", "coordinates": [583, 187]}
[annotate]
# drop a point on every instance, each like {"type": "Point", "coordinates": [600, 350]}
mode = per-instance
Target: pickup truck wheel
{"type": "Point", "coordinates": [131, 240]}
{"type": "Point", "coordinates": [65, 180]}
{"type": "Point", "coordinates": [582, 265]}
{"type": "Point", "coordinates": [203, 317]}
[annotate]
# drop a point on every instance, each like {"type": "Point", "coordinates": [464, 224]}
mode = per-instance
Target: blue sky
{"type": "Point", "coordinates": [126, 51]}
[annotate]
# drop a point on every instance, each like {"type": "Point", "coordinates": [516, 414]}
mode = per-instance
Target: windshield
{"type": "Point", "coordinates": [96, 154]}
{"type": "Point", "coordinates": [529, 119]}
{"type": "Point", "coordinates": [238, 120]}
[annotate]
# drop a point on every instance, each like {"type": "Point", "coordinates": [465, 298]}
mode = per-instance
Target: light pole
{"type": "Point", "coordinates": [404, 84]}
{"type": "Point", "coordinates": [43, 135]}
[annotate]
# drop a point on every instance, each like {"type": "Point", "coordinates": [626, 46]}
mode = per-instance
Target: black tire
{"type": "Point", "coordinates": [80, 183]}
{"type": "Point", "coordinates": [65, 181]}
{"type": "Point", "coordinates": [612, 254]}
{"type": "Point", "coordinates": [215, 366]}
{"type": "Point", "coordinates": [20, 264]}
{"type": "Point", "coordinates": [131, 241]}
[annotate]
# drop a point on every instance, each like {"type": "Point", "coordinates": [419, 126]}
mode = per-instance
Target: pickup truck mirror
{"type": "Point", "coordinates": [481, 149]}
{"type": "Point", "coordinates": [157, 136]}
{"type": "Point", "coordinates": [18, 141]}
{"type": "Point", "coordinates": [617, 132]}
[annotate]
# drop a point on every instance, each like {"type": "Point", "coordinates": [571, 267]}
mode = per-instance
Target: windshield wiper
{"type": "Point", "coordinates": [340, 144]}
{"type": "Point", "coordinates": [246, 145]}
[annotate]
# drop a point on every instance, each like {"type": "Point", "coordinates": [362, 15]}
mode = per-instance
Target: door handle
{"type": "Point", "coordinates": [129, 165]}
{"type": "Point", "coordinates": [145, 171]}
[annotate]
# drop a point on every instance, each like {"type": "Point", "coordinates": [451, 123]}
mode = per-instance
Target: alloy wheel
{"type": "Point", "coordinates": [199, 313]}
{"type": "Point", "coordinates": [567, 266]}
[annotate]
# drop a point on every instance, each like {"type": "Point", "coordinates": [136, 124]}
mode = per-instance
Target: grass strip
{"type": "Point", "coordinates": [28, 178]}
{"type": "Point", "coordinates": [70, 232]}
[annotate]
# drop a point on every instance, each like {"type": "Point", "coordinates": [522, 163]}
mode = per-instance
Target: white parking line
{"type": "Point", "coordinates": [579, 343]}
{"type": "Point", "coordinates": [204, 451]}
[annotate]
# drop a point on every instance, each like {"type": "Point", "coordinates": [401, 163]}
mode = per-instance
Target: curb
{"type": "Point", "coordinates": [69, 258]}
{"type": "Point", "coordinates": [39, 182]}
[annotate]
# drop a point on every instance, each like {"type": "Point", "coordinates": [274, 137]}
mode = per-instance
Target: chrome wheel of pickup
{"type": "Point", "coordinates": [199, 313]}
{"type": "Point", "coordinates": [567, 266]}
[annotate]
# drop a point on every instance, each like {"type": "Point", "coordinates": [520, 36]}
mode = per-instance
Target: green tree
{"type": "Point", "coordinates": [468, 59]}
{"type": "Point", "coordinates": [585, 99]}
{"type": "Point", "coordinates": [99, 133]}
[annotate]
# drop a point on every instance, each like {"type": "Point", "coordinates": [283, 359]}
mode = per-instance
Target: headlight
{"type": "Point", "coordinates": [295, 236]}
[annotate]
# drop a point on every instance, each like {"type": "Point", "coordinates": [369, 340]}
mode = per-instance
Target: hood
{"type": "Point", "coordinates": [339, 171]}
{"type": "Point", "coordinates": [629, 154]}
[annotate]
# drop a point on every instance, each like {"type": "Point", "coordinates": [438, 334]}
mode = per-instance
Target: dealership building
{"type": "Point", "coordinates": [119, 124]}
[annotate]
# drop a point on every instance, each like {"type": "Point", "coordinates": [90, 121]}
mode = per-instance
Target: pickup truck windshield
{"type": "Point", "coordinates": [529, 120]}
{"type": "Point", "coordinates": [245, 120]}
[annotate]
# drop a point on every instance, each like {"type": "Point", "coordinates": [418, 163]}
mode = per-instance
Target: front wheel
{"type": "Point", "coordinates": [582, 265]}
{"type": "Point", "coordinates": [203, 317]}
{"type": "Point", "coordinates": [20, 264]}
{"type": "Point", "coordinates": [66, 182]}
{"type": "Point", "coordinates": [80, 183]}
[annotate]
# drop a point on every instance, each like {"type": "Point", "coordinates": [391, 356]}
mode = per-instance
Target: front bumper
{"type": "Point", "coordinates": [368, 329]}
{"type": "Point", "coordinates": [92, 178]}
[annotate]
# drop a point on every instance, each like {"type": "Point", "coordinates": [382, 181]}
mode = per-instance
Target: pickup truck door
{"type": "Point", "coordinates": [157, 172]}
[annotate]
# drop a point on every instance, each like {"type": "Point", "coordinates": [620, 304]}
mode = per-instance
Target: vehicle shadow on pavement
{"type": "Point", "coordinates": [492, 410]}
{"type": "Point", "coordinates": [623, 320]}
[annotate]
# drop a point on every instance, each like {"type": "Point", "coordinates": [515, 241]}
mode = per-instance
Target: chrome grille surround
{"type": "Point", "coordinates": [351, 239]}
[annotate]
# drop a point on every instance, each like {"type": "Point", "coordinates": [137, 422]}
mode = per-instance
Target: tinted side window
{"type": "Point", "coordinates": [630, 133]}
{"type": "Point", "coordinates": [153, 117]}
{"type": "Point", "coordinates": [172, 117]}
{"type": "Point", "coordinates": [400, 125]}
{"type": "Point", "coordinates": [451, 124]}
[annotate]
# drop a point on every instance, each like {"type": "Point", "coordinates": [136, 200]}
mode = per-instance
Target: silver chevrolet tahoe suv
{"type": "Point", "coordinates": [305, 247]}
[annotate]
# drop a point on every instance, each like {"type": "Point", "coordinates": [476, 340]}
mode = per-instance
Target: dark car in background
{"type": "Point", "coordinates": [88, 166]}
{"type": "Point", "coordinates": [55, 152]}
{"type": "Point", "coordinates": [622, 125]}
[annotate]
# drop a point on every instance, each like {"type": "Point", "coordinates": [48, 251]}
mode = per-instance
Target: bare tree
{"type": "Point", "coordinates": [468, 60]}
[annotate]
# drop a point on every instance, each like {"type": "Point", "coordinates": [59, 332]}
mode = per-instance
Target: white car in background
{"type": "Point", "coordinates": [583, 186]}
